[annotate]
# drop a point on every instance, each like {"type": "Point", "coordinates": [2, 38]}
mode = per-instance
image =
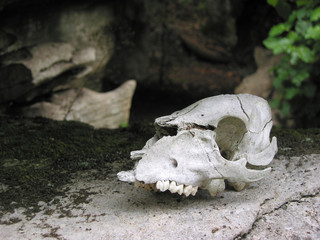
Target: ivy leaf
{"type": "Point", "coordinates": [277, 45]}
{"type": "Point", "coordinates": [315, 15]}
{"type": "Point", "coordinates": [293, 36]}
{"type": "Point", "coordinates": [278, 29]}
{"type": "Point", "coordinates": [302, 26]}
{"type": "Point", "coordinates": [302, 2]}
{"type": "Point", "coordinates": [294, 58]}
{"type": "Point", "coordinates": [292, 17]}
{"type": "Point", "coordinates": [271, 42]}
{"type": "Point", "coordinates": [274, 103]}
{"type": "Point", "coordinates": [297, 79]}
{"type": "Point", "coordinates": [291, 93]}
{"type": "Point", "coordinates": [305, 54]}
{"type": "Point", "coordinates": [272, 2]}
{"type": "Point", "coordinates": [302, 13]}
{"type": "Point", "coordinates": [283, 45]}
{"type": "Point", "coordinates": [281, 76]}
{"type": "Point", "coordinates": [285, 109]}
{"type": "Point", "coordinates": [293, 55]}
{"type": "Point", "coordinates": [313, 32]}
{"type": "Point", "coordinates": [316, 49]}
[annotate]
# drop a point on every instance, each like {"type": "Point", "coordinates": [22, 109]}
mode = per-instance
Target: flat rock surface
{"type": "Point", "coordinates": [285, 205]}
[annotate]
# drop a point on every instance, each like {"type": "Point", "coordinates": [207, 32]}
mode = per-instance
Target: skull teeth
{"type": "Point", "coordinates": [163, 185]}
{"type": "Point", "coordinates": [179, 189]}
{"type": "Point", "coordinates": [172, 186]}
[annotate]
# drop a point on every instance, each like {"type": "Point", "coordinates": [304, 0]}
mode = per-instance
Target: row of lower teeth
{"type": "Point", "coordinates": [169, 185]}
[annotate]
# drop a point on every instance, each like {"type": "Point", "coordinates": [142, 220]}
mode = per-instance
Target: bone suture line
{"type": "Point", "coordinates": [172, 186]}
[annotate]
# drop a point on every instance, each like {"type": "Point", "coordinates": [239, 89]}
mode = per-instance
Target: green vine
{"type": "Point", "coordinates": [296, 77]}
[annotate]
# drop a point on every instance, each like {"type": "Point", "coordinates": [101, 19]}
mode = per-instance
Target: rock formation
{"type": "Point", "coordinates": [101, 110]}
{"type": "Point", "coordinates": [43, 48]}
{"type": "Point", "coordinates": [260, 82]}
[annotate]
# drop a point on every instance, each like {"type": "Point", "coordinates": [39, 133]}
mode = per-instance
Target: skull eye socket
{"type": "Point", "coordinates": [174, 163]}
{"type": "Point", "coordinates": [229, 132]}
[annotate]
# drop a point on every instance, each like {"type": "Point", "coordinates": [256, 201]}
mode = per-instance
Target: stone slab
{"type": "Point", "coordinates": [285, 205]}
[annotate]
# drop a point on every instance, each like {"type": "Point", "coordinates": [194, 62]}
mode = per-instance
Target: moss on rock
{"type": "Point", "coordinates": [297, 142]}
{"type": "Point", "coordinates": [37, 156]}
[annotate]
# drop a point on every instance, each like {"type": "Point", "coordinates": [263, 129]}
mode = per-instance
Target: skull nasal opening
{"type": "Point", "coordinates": [229, 134]}
{"type": "Point", "coordinates": [174, 163]}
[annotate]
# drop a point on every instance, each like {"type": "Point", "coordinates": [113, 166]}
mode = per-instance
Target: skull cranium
{"type": "Point", "coordinates": [217, 139]}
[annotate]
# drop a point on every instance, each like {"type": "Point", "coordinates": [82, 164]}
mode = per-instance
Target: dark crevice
{"type": "Point", "coordinates": [173, 130]}
{"type": "Point", "coordinates": [201, 127]}
{"type": "Point", "coordinates": [166, 131]}
{"type": "Point", "coordinates": [242, 107]}
{"type": "Point", "coordinates": [54, 64]}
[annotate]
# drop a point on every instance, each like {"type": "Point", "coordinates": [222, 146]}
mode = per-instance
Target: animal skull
{"type": "Point", "coordinates": [217, 139]}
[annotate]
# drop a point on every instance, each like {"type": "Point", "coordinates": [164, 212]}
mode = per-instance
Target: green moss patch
{"type": "Point", "coordinates": [37, 156]}
{"type": "Point", "coordinates": [297, 142]}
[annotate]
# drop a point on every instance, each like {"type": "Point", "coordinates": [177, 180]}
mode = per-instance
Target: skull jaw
{"type": "Point", "coordinates": [216, 186]}
{"type": "Point", "coordinates": [213, 186]}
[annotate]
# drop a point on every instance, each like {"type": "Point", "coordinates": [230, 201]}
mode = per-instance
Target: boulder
{"type": "Point", "coordinates": [101, 110]}
{"type": "Point", "coordinates": [260, 82]}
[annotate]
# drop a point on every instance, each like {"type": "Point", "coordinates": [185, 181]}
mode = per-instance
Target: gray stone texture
{"type": "Point", "coordinates": [284, 205]}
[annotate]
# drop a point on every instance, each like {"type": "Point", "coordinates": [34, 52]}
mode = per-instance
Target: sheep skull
{"type": "Point", "coordinates": [217, 139]}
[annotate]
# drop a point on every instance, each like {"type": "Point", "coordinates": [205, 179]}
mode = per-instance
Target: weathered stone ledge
{"type": "Point", "coordinates": [58, 180]}
{"type": "Point", "coordinates": [284, 205]}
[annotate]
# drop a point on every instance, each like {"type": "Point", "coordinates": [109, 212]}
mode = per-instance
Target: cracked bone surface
{"type": "Point", "coordinates": [219, 139]}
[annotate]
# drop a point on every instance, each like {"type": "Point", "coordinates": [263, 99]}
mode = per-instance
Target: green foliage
{"type": "Point", "coordinates": [124, 125]}
{"type": "Point", "coordinates": [282, 7]}
{"type": "Point", "coordinates": [272, 2]}
{"type": "Point", "coordinates": [295, 78]}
